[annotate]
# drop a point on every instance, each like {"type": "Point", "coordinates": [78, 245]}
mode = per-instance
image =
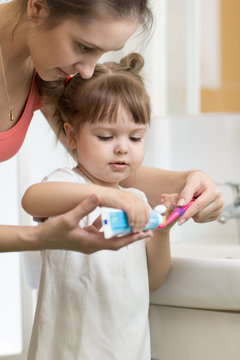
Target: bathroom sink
{"type": "Point", "coordinates": [203, 277]}
{"type": "Point", "coordinates": [206, 251]}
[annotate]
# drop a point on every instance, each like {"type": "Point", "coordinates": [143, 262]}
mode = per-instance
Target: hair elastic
{"type": "Point", "coordinates": [66, 81]}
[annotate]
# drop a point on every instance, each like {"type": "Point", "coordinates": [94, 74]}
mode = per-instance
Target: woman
{"type": "Point", "coordinates": [56, 39]}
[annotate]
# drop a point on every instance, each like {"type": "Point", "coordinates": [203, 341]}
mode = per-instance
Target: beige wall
{"type": "Point", "coordinates": [227, 96]}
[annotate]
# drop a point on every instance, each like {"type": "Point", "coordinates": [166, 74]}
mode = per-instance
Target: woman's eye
{"type": "Point", "coordinates": [84, 48]}
{"type": "Point", "coordinates": [135, 139]}
{"type": "Point", "coordinates": [105, 138]}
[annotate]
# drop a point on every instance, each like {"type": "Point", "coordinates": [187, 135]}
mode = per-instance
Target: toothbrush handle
{"type": "Point", "coordinates": [179, 211]}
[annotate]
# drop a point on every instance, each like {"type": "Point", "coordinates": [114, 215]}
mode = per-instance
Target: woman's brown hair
{"type": "Point", "coordinates": [85, 10]}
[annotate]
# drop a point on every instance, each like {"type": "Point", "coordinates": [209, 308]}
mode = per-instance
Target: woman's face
{"type": "Point", "coordinates": [74, 47]}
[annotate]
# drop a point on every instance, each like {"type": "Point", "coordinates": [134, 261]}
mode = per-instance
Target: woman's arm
{"type": "Point", "coordinates": [188, 184]}
{"type": "Point", "coordinates": [63, 232]}
{"type": "Point", "coordinates": [154, 181]}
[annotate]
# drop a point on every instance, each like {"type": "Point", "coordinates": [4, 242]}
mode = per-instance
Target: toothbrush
{"type": "Point", "coordinates": [175, 214]}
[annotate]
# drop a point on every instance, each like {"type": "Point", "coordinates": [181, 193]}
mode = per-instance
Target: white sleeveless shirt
{"type": "Point", "coordinates": [92, 307]}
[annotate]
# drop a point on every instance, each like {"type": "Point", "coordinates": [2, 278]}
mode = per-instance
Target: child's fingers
{"type": "Point", "coordinates": [170, 202]}
{"type": "Point", "coordinates": [137, 214]}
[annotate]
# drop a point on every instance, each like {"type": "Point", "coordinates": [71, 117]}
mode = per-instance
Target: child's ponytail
{"type": "Point", "coordinates": [133, 62]}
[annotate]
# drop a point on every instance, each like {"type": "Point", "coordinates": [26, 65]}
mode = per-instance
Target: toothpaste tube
{"type": "Point", "coordinates": [114, 222]}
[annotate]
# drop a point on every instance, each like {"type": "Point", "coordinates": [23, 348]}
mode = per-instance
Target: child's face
{"type": "Point", "coordinates": [108, 152]}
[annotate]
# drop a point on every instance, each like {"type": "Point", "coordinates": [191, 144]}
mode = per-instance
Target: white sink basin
{"type": "Point", "coordinates": [206, 251]}
{"type": "Point", "coordinates": [205, 277]}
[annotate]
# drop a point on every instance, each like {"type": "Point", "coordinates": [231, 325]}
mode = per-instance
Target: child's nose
{"type": "Point", "coordinates": [121, 147]}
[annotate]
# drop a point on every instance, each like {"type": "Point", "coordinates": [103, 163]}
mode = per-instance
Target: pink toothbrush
{"type": "Point", "coordinates": [175, 214]}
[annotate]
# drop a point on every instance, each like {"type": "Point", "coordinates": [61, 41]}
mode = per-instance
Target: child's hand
{"type": "Point", "coordinates": [170, 202]}
{"type": "Point", "coordinates": [136, 209]}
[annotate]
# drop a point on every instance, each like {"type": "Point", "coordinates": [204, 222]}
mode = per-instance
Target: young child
{"type": "Point", "coordinates": [95, 306]}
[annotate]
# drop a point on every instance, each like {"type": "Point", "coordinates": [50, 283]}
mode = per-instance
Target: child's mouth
{"type": "Point", "coordinates": [119, 165]}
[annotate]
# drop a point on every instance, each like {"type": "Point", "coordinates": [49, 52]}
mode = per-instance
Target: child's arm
{"type": "Point", "coordinates": [54, 198]}
{"type": "Point", "coordinates": [158, 258]}
{"type": "Point", "coordinates": [158, 249]}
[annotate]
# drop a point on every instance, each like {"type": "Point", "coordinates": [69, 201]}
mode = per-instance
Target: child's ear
{"type": "Point", "coordinates": [36, 10]}
{"type": "Point", "coordinates": [70, 136]}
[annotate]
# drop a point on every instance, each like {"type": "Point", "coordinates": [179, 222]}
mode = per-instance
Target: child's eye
{"type": "Point", "coordinates": [105, 138]}
{"type": "Point", "coordinates": [135, 139]}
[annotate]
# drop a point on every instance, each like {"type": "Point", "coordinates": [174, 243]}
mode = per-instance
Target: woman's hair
{"type": "Point", "coordinates": [98, 98]}
{"type": "Point", "coordinates": [86, 10]}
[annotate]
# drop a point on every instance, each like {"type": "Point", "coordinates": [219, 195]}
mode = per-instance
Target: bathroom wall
{"type": "Point", "coordinates": [221, 95]}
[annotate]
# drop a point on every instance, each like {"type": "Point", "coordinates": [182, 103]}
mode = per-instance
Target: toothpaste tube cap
{"type": "Point", "coordinates": [160, 209]}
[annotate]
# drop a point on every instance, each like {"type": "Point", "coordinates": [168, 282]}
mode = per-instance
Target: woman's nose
{"type": "Point", "coordinates": [86, 70]}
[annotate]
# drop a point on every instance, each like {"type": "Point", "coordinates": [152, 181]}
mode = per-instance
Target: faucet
{"type": "Point", "coordinates": [232, 210]}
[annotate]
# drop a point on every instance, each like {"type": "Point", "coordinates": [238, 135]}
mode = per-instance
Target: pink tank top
{"type": "Point", "coordinates": [12, 139]}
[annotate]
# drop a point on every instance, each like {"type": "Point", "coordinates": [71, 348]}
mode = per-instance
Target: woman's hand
{"type": "Point", "coordinates": [188, 184]}
{"type": "Point", "coordinates": [64, 232]}
{"type": "Point", "coordinates": [209, 203]}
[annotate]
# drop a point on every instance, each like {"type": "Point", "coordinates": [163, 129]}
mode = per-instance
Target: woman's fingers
{"type": "Point", "coordinates": [84, 208]}
{"type": "Point", "coordinates": [209, 201]}
{"type": "Point", "coordinates": [204, 209]}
